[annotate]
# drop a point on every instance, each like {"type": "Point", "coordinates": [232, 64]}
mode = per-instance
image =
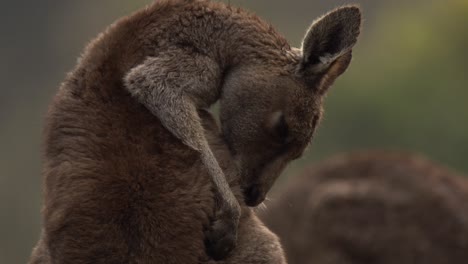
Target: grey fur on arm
{"type": "Point", "coordinates": [174, 86]}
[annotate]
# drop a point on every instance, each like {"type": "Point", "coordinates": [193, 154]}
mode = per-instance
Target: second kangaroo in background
{"type": "Point", "coordinates": [373, 207]}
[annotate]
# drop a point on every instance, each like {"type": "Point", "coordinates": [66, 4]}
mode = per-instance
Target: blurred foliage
{"type": "Point", "coordinates": [407, 86]}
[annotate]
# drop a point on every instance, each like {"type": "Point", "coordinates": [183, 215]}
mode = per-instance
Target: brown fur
{"type": "Point", "coordinates": [136, 217]}
{"type": "Point", "coordinates": [373, 207]}
{"type": "Point", "coordinates": [122, 186]}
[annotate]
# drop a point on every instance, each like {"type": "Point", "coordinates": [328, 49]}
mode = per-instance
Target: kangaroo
{"type": "Point", "coordinates": [373, 207]}
{"type": "Point", "coordinates": [183, 223]}
{"type": "Point", "coordinates": [147, 76]}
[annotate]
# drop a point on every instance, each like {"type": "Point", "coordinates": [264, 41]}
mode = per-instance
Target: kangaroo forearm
{"type": "Point", "coordinates": [174, 91]}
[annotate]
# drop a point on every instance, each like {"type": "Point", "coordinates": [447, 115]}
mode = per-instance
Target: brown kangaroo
{"type": "Point", "coordinates": [373, 207]}
{"type": "Point", "coordinates": [179, 215]}
{"type": "Point", "coordinates": [124, 128]}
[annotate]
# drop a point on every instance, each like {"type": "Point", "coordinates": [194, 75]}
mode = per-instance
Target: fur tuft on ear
{"type": "Point", "coordinates": [329, 38]}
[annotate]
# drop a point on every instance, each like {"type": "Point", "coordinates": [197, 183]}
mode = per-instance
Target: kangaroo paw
{"type": "Point", "coordinates": [221, 237]}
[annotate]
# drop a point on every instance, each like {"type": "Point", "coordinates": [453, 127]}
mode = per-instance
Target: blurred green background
{"type": "Point", "coordinates": [407, 87]}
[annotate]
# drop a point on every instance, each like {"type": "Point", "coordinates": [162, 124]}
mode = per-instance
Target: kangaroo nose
{"type": "Point", "coordinates": [253, 196]}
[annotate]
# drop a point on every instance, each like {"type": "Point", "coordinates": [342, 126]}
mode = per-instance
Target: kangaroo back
{"type": "Point", "coordinates": [373, 207]}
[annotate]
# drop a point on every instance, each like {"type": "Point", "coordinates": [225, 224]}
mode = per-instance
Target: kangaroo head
{"type": "Point", "coordinates": [269, 112]}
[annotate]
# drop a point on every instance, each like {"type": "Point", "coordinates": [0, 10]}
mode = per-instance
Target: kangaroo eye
{"type": "Point", "coordinates": [278, 127]}
{"type": "Point", "coordinates": [282, 129]}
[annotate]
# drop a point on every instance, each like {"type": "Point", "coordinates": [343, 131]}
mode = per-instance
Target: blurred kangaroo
{"type": "Point", "coordinates": [147, 77]}
{"type": "Point", "coordinates": [373, 207]}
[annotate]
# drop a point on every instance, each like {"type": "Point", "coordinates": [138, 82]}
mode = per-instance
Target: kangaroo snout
{"type": "Point", "coordinates": [253, 195]}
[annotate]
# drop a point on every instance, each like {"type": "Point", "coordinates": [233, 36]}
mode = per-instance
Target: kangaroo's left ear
{"type": "Point", "coordinates": [326, 48]}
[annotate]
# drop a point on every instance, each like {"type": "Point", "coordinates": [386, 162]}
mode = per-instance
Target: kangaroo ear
{"type": "Point", "coordinates": [328, 42]}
